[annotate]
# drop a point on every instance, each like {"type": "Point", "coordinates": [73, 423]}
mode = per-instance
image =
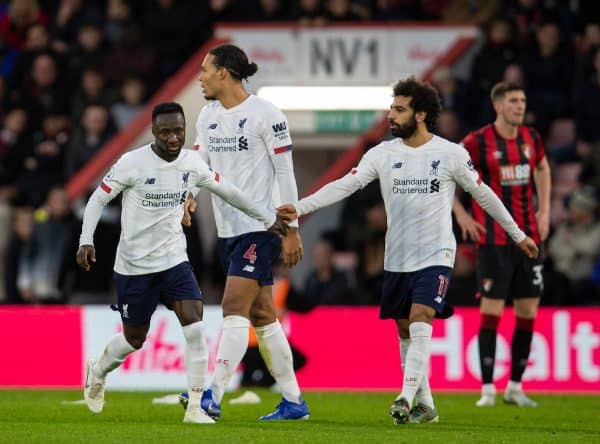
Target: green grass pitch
{"type": "Point", "coordinates": [129, 417]}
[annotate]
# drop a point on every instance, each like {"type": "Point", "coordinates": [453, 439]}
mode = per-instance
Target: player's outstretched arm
{"type": "Point", "coordinates": [234, 196]}
{"type": "Point", "coordinates": [329, 194]}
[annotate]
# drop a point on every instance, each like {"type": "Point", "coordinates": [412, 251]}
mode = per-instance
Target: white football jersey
{"type": "Point", "coordinates": [154, 191]}
{"type": "Point", "coordinates": [250, 144]}
{"type": "Point", "coordinates": [417, 185]}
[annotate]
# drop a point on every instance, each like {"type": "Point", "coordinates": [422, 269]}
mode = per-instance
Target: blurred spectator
{"type": "Point", "coordinates": [22, 226]}
{"type": "Point", "coordinates": [90, 50]}
{"type": "Point", "coordinates": [342, 11]}
{"type": "Point", "coordinates": [575, 246]}
{"type": "Point", "coordinates": [15, 146]}
{"type": "Point", "coordinates": [225, 11]}
{"type": "Point", "coordinates": [70, 17]}
{"type": "Point", "coordinates": [309, 13]}
{"type": "Point", "coordinates": [172, 41]}
{"type": "Point", "coordinates": [39, 269]}
{"type": "Point", "coordinates": [95, 130]}
{"type": "Point", "coordinates": [272, 11]}
{"type": "Point", "coordinates": [548, 71]}
{"type": "Point", "coordinates": [454, 94]}
{"type": "Point", "coordinates": [475, 12]}
{"type": "Point", "coordinates": [326, 284]}
{"type": "Point", "coordinates": [92, 89]}
{"type": "Point", "coordinates": [133, 56]}
{"type": "Point", "coordinates": [497, 53]}
{"type": "Point", "coordinates": [22, 14]}
{"type": "Point", "coordinates": [38, 41]}
{"type": "Point", "coordinates": [585, 50]}
{"type": "Point", "coordinates": [45, 89]}
{"type": "Point", "coordinates": [449, 126]}
{"type": "Point", "coordinates": [130, 104]}
{"type": "Point", "coordinates": [43, 168]}
{"type": "Point", "coordinates": [587, 105]}
{"type": "Point", "coordinates": [526, 16]}
{"type": "Point", "coordinates": [386, 10]}
{"type": "Point", "coordinates": [119, 16]}
{"type": "Point", "coordinates": [514, 74]}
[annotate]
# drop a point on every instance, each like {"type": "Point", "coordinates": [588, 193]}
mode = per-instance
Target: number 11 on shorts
{"type": "Point", "coordinates": [443, 285]}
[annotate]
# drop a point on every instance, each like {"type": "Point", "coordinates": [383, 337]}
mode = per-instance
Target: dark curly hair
{"type": "Point", "coordinates": [234, 60]}
{"type": "Point", "coordinates": [424, 98]}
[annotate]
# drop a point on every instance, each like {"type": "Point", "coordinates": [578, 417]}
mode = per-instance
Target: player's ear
{"type": "Point", "coordinates": [420, 116]}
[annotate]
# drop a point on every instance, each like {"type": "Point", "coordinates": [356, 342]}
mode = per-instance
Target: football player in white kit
{"type": "Point", "coordinates": [151, 263]}
{"type": "Point", "coordinates": [248, 140]}
{"type": "Point", "coordinates": [418, 173]}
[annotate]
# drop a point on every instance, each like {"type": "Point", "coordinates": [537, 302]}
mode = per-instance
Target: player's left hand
{"type": "Point", "coordinates": [189, 207]}
{"type": "Point", "coordinates": [543, 222]}
{"type": "Point", "coordinates": [291, 247]}
{"type": "Point", "coordinates": [279, 226]}
{"type": "Point", "coordinates": [86, 255]}
{"type": "Point", "coordinates": [529, 247]}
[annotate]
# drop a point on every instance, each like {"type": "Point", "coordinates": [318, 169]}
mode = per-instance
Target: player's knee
{"type": "Point", "coordinates": [262, 316]}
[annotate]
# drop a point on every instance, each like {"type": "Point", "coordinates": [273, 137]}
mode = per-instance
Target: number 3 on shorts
{"type": "Point", "coordinates": [538, 279]}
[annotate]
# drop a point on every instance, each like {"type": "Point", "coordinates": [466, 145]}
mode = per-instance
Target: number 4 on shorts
{"type": "Point", "coordinates": [250, 253]}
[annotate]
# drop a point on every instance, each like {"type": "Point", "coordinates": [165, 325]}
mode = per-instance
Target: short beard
{"type": "Point", "coordinates": [404, 131]}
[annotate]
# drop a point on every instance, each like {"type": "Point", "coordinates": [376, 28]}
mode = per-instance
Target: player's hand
{"type": "Point", "coordinates": [287, 212]}
{"type": "Point", "coordinates": [469, 227]}
{"type": "Point", "coordinates": [189, 207]}
{"type": "Point", "coordinates": [291, 247]}
{"type": "Point", "coordinates": [529, 247]}
{"type": "Point", "coordinates": [85, 255]}
{"type": "Point", "coordinates": [279, 227]}
{"type": "Point", "coordinates": [543, 222]}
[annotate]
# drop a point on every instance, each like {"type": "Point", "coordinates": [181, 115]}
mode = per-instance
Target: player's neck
{"type": "Point", "coordinates": [233, 97]}
{"type": "Point", "coordinates": [420, 137]}
{"type": "Point", "coordinates": [506, 130]}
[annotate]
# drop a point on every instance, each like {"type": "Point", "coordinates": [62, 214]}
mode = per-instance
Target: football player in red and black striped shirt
{"type": "Point", "coordinates": [510, 159]}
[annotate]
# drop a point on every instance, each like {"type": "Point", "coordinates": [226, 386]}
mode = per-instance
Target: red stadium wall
{"type": "Point", "coordinates": [346, 348]}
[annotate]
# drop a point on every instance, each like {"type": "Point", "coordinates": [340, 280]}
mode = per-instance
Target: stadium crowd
{"type": "Point", "coordinates": [73, 73]}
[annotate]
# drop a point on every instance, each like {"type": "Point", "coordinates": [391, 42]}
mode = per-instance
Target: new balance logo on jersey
{"type": "Point", "coordinates": [434, 186]}
{"type": "Point", "coordinates": [434, 168]}
{"type": "Point", "coordinates": [279, 127]}
{"type": "Point", "coordinates": [242, 143]}
{"type": "Point", "coordinates": [248, 268]}
{"type": "Point", "coordinates": [124, 313]}
{"type": "Point", "coordinates": [242, 123]}
{"type": "Point", "coordinates": [470, 165]}
{"type": "Point", "coordinates": [184, 179]}
{"type": "Point", "coordinates": [212, 126]}
{"type": "Point", "coordinates": [397, 165]}
{"type": "Point", "coordinates": [150, 181]}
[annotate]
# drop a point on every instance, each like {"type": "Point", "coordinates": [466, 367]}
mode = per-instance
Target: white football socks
{"type": "Point", "coordinates": [277, 354]}
{"type": "Point", "coordinates": [232, 347]}
{"type": "Point", "coordinates": [423, 395]}
{"type": "Point", "coordinates": [115, 352]}
{"type": "Point", "coordinates": [196, 360]}
{"type": "Point", "coordinates": [417, 359]}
